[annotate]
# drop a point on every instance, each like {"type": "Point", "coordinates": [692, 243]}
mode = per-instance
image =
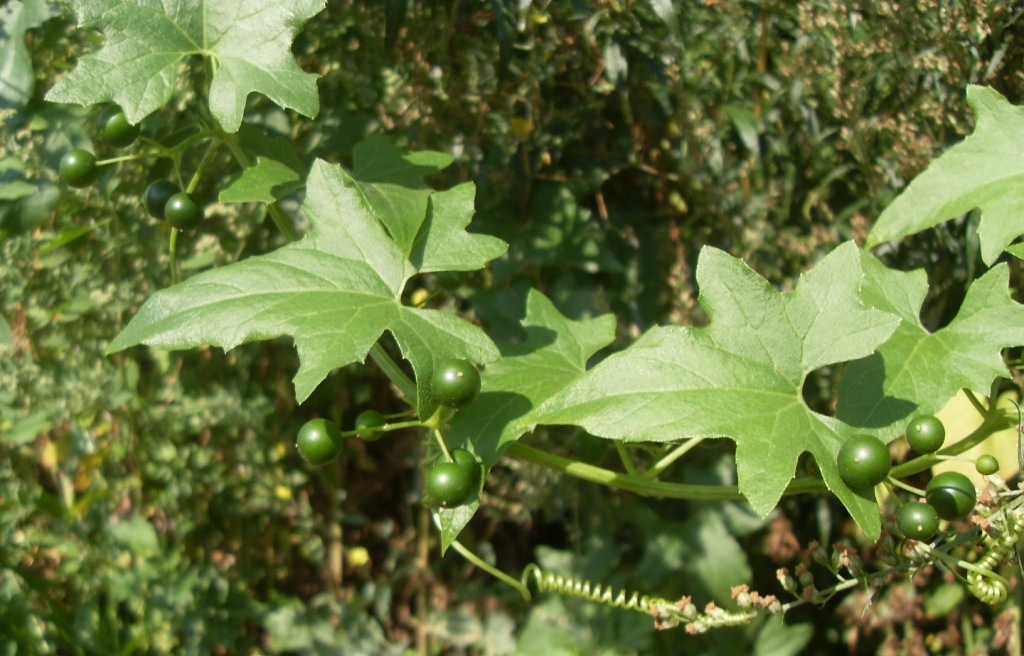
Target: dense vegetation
{"type": "Point", "coordinates": [153, 501]}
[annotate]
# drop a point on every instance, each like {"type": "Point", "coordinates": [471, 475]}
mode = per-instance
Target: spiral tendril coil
{"type": "Point", "coordinates": [985, 584]}
{"type": "Point", "coordinates": [584, 589]}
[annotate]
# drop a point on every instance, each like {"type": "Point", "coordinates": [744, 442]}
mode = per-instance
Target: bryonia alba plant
{"type": "Point", "coordinates": [338, 289]}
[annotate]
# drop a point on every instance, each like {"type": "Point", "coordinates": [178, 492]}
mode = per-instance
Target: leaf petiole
{"type": "Point", "coordinates": [668, 459]}
{"type": "Point", "coordinates": [439, 436]}
{"type": "Point", "coordinates": [894, 482]}
{"type": "Point", "coordinates": [978, 405]}
{"type": "Point", "coordinates": [394, 373]}
{"type": "Point", "coordinates": [211, 149]}
{"type": "Point", "coordinates": [172, 248]}
{"type": "Point", "coordinates": [637, 484]}
{"type": "Point", "coordinates": [127, 158]}
{"type": "Point", "coordinates": [627, 461]}
{"type": "Point", "coordinates": [493, 571]}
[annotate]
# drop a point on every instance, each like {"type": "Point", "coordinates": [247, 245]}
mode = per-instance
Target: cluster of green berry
{"type": "Point", "coordinates": [864, 462]}
{"type": "Point", "coordinates": [163, 199]}
{"type": "Point", "coordinates": [448, 484]}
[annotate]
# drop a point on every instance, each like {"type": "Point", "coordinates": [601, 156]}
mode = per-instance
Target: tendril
{"type": "Point", "coordinates": [583, 589]}
{"type": "Point", "coordinates": [666, 614]}
{"type": "Point", "coordinates": [982, 581]}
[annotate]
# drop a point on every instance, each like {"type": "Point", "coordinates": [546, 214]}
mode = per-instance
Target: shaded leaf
{"type": "Point", "coordinates": [136, 535]}
{"type": "Point", "coordinates": [392, 184]}
{"type": "Point", "coordinates": [554, 355]}
{"type": "Point", "coordinates": [16, 189]}
{"type": "Point", "coordinates": [17, 79]}
{"type": "Point", "coordinates": [28, 428]}
{"type": "Point", "coordinates": [277, 171]}
{"type": "Point", "coordinates": [747, 126]}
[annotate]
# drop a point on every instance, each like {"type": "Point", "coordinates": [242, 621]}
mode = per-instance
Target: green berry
{"type": "Point", "coordinates": [319, 442]}
{"type": "Point", "coordinates": [368, 424]}
{"type": "Point", "coordinates": [863, 461]}
{"type": "Point", "coordinates": [182, 212]}
{"type": "Point", "coordinates": [455, 383]}
{"type": "Point", "coordinates": [987, 465]}
{"type": "Point", "coordinates": [78, 168]}
{"type": "Point", "coordinates": [951, 494]}
{"type": "Point", "coordinates": [156, 196]}
{"type": "Point", "coordinates": [448, 484]}
{"type": "Point", "coordinates": [114, 128]}
{"type": "Point", "coordinates": [925, 433]}
{"type": "Point", "coordinates": [918, 520]}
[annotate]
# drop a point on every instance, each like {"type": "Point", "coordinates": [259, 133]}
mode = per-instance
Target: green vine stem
{"type": "Point", "coordinates": [637, 484]}
{"type": "Point", "coordinates": [490, 569]}
{"type": "Point", "coordinates": [394, 373]}
{"type": "Point", "coordinates": [442, 443]}
{"type": "Point", "coordinates": [388, 427]}
{"type": "Point", "coordinates": [978, 405]}
{"type": "Point", "coordinates": [645, 486]}
{"type": "Point", "coordinates": [126, 158]}
{"type": "Point", "coordinates": [197, 175]}
{"type": "Point", "coordinates": [665, 612]}
{"type": "Point", "coordinates": [171, 152]}
{"type": "Point", "coordinates": [173, 248]}
{"type": "Point", "coordinates": [952, 563]}
{"type": "Point", "coordinates": [627, 461]}
{"type": "Point", "coordinates": [675, 454]}
{"type": "Point", "coordinates": [895, 482]}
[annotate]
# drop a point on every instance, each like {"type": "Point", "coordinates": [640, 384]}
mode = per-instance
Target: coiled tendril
{"type": "Point", "coordinates": [666, 614]}
{"type": "Point", "coordinates": [982, 581]}
{"type": "Point", "coordinates": [583, 589]}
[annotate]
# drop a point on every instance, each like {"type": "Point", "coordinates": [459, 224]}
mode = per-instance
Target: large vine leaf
{"type": "Point", "coordinates": [247, 44]}
{"type": "Point", "coordinates": [918, 371]}
{"type": "Point", "coordinates": [335, 291]}
{"type": "Point", "coordinates": [984, 171]}
{"type": "Point", "coordinates": [553, 355]}
{"type": "Point", "coordinates": [740, 377]}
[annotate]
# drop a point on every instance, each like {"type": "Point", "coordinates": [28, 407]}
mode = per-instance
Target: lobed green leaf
{"type": "Point", "coordinates": [335, 291]}
{"type": "Point", "coordinates": [247, 46]}
{"type": "Point", "coordinates": [741, 377]}
{"type": "Point", "coordinates": [985, 171]}
{"type": "Point", "coordinates": [917, 371]}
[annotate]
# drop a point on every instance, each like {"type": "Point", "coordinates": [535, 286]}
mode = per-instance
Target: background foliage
{"type": "Point", "coordinates": [153, 502]}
